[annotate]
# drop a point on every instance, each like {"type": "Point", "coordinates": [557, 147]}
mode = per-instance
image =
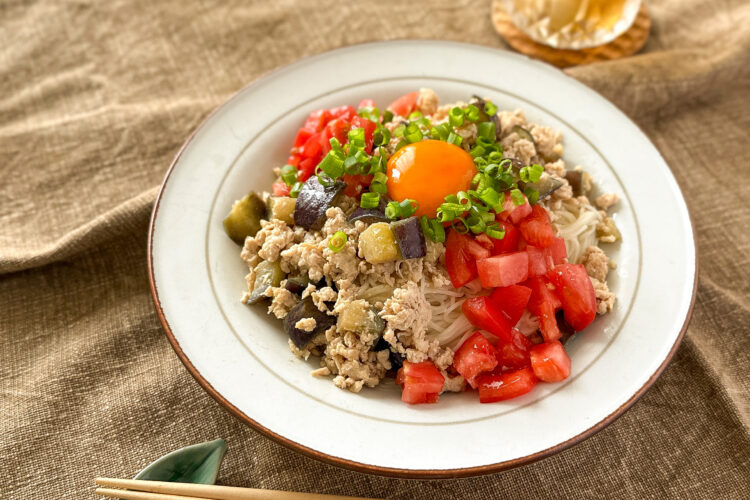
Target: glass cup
{"type": "Point", "coordinates": [572, 24]}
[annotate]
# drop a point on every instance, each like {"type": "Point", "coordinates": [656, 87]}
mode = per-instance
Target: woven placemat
{"type": "Point", "coordinates": [624, 45]}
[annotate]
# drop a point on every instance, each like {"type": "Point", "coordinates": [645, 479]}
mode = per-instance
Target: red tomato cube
{"type": "Point", "coordinates": [550, 362]}
{"type": "Point", "coordinates": [483, 313]}
{"type": "Point", "coordinates": [543, 303]}
{"type": "Point", "coordinates": [404, 105]}
{"type": "Point", "coordinates": [476, 355]}
{"type": "Point", "coordinates": [508, 385]}
{"type": "Point", "coordinates": [279, 188]}
{"type": "Point", "coordinates": [503, 270]}
{"type": "Point", "coordinates": [421, 382]}
{"type": "Point", "coordinates": [576, 293]}
{"type": "Point", "coordinates": [536, 228]}
{"type": "Point", "coordinates": [366, 103]}
{"type": "Point", "coordinates": [510, 242]}
{"type": "Point", "coordinates": [514, 212]}
{"type": "Point", "coordinates": [515, 354]}
{"type": "Point", "coordinates": [317, 120]}
{"type": "Point", "coordinates": [461, 253]}
{"type": "Point", "coordinates": [512, 300]}
{"type": "Point", "coordinates": [345, 113]}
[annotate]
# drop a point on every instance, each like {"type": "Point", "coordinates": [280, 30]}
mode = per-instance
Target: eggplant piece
{"type": "Point", "coordinates": [306, 309]}
{"type": "Point", "coordinates": [244, 218]}
{"type": "Point", "coordinates": [409, 237]}
{"type": "Point", "coordinates": [357, 316]}
{"type": "Point", "coordinates": [313, 201]}
{"type": "Point", "coordinates": [483, 117]}
{"type": "Point", "coordinates": [523, 134]}
{"type": "Point", "coordinates": [546, 185]}
{"type": "Point", "coordinates": [267, 274]}
{"type": "Point", "coordinates": [297, 284]}
{"type": "Point", "coordinates": [282, 208]}
{"type": "Point", "coordinates": [370, 215]}
{"type": "Point", "coordinates": [378, 244]}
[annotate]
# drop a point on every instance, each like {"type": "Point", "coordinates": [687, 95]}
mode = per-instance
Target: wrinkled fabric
{"type": "Point", "coordinates": [97, 97]}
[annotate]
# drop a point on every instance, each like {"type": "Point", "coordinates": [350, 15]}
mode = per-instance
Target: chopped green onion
{"type": "Point", "coordinates": [372, 114]}
{"type": "Point", "coordinates": [491, 198]}
{"type": "Point", "coordinates": [369, 200]}
{"type": "Point", "coordinates": [407, 207]}
{"type": "Point", "coordinates": [337, 241]}
{"type": "Point", "coordinates": [494, 230]}
{"type": "Point", "coordinates": [413, 133]}
{"type": "Point", "coordinates": [378, 187]}
{"type": "Point", "coordinates": [401, 144]}
{"type": "Point", "coordinates": [495, 157]}
{"type": "Point", "coordinates": [380, 177]}
{"type": "Point", "coordinates": [325, 180]}
{"type": "Point", "coordinates": [415, 115]}
{"type": "Point", "coordinates": [476, 225]}
{"type": "Point", "coordinates": [387, 116]}
{"type": "Point", "coordinates": [456, 117]}
{"type": "Point", "coordinates": [477, 151]}
{"type": "Point", "coordinates": [487, 144]}
{"type": "Point", "coordinates": [399, 130]}
{"type": "Point", "coordinates": [424, 223]}
{"type": "Point", "coordinates": [381, 136]}
{"type": "Point", "coordinates": [490, 108]}
{"type": "Point", "coordinates": [486, 130]}
{"type": "Point", "coordinates": [438, 231]}
{"type": "Point", "coordinates": [392, 210]}
{"type": "Point", "coordinates": [463, 228]}
{"type": "Point", "coordinates": [332, 165]}
{"type": "Point", "coordinates": [295, 189]}
{"type": "Point", "coordinates": [289, 174]}
{"type": "Point", "coordinates": [532, 195]}
{"type": "Point", "coordinates": [472, 113]}
{"type": "Point", "coordinates": [454, 139]}
{"type": "Point", "coordinates": [517, 197]}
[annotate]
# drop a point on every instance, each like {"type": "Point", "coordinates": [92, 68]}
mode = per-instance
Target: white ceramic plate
{"type": "Point", "coordinates": [240, 355]}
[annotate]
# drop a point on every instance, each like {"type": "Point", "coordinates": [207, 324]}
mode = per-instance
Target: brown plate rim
{"type": "Point", "coordinates": [374, 469]}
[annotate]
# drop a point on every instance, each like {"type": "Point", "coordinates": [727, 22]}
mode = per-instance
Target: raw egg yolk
{"type": "Point", "coordinates": [427, 172]}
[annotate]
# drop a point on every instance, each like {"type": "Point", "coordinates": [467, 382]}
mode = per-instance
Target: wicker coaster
{"type": "Point", "coordinates": [624, 45]}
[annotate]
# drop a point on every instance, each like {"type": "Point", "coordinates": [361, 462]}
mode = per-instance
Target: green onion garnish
{"type": "Point", "coordinates": [337, 241]}
{"type": "Point", "coordinates": [413, 133]}
{"type": "Point", "coordinates": [399, 130]}
{"type": "Point", "coordinates": [532, 195]}
{"type": "Point", "coordinates": [517, 197]}
{"type": "Point", "coordinates": [295, 189]}
{"type": "Point", "coordinates": [531, 173]}
{"type": "Point", "coordinates": [490, 108]}
{"type": "Point", "coordinates": [387, 116]}
{"type": "Point", "coordinates": [491, 198]}
{"type": "Point", "coordinates": [454, 139]}
{"type": "Point", "coordinates": [325, 180]}
{"type": "Point", "coordinates": [494, 230]}
{"type": "Point", "coordinates": [472, 113]}
{"type": "Point", "coordinates": [369, 200]}
{"type": "Point", "coordinates": [380, 177]}
{"type": "Point", "coordinates": [289, 174]}
{"type": "Point", "coordinates": [378, 187]}
{"type": "Point", "coordinates": [486, 130]}
{"type": "Point", "coordinates": [392, 210]}
{"type": "Point", "coordinates": [456, 117]}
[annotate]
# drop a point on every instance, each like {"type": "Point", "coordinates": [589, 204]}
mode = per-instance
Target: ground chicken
{"type": "Point", "coordinates": [306, 324]}
{"type": "Point", "coordinates": [547, 142]}
{"type": "Point", "coordinates": [320, 297]}
{"type": "Point", "coordinates": [605, 299]}
{"type": "Point", "coordinates": [282, 301]}
{"type": "Point", "coordinates": [520, 149]}
{"type": "Point", "coordinates": [509, 119]}
{"type": "Point", "coordinates": [427, 102]}
{"type": "Point", "coordinates": [596, 263]}
{"type": "Point", "coordinates": [556, 167]}
{"type": "Point", "coordinates": [606, 200]}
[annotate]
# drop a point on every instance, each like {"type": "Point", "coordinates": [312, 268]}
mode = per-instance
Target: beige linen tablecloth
{"type": "Point", "coordinates": [97, 97]}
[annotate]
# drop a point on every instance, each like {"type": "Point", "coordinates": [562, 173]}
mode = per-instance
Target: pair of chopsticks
{"type": "Point", "coordinates": [133, 489]}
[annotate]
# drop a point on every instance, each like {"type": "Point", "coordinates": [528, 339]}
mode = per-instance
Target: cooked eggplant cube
{"type": "Point", "coordinates": [282, 208]}
{"type": "Point", "coordinates": [244, 218]}
{"type": "Point", "coordinates": [296, 284]}
{"type": "Point", "coordinates": [409, 237]}
{"type": "Point", "coordinates": [313, 201]}
{"type": "Point", "coordinates": [575, 179]}
{"type": "Point", "coordinates": [378, 244]}
{"type": "Point", "coordinates": [267, 274]}
{"type": "Point", "coordinates": [371, 215]}
{"type": "Point", "coordinates": [306, 309]}
{"type": "Point", "coordinates": [523, 133]}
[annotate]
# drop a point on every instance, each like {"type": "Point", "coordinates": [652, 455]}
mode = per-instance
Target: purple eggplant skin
{"type": "Point", "coordinates": [306, 309]}
{"type": "Point", "coordinates": [313, 201]}
{"type": "Point", "coordinates": [371, 215]}
{"type": "Point", "coordinates": [409, 237]}
{"type": "Point", "coordinates": [575, 179]}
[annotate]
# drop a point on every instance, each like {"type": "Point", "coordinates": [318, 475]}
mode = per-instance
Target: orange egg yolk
{"type": "Point", "coordinates": [427, 172]}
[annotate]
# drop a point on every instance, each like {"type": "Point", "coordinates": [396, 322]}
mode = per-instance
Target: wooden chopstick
{"type": "Point", "coordinates": [160, 490]}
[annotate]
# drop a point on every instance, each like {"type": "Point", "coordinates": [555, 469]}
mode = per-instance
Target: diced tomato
{"type": "Point", "coordinates": [461, 253]}
{"type": "Point", "coordinates": [359, 122]}
{"type": "Point", "coordinates": [279, 188]}
{"type": "Point", "coordinates": [539, 261]}
{"type": "Point", "coordinates": [345, 113]}
{"type": "Point", "coordinates": [550, 362]}
{"type": "Point", "coordinates": [302, 136]}
{"type": "Point", "coordinates": [510, 242]}
{"type": "Point", "coordinates": [356, 184]}
{"type": "Point", "coordinates": [542, 304]}
{"type": "Point", "coordinates": [404, 105]}
{"type": "Point", "coordinates": [366, 103]}
{"type": "Point", "coordinates": [317, 120]}
{"type": "Point", "coordinates": [514, 212]}
{"type": "Point", "coordinates": [483, 313]}
{"type": "Point", "coordinates": [335, 128]}
{"type": "Point", "coordinates": [573, 287]}
{"type": "Point", "coordinates": [311, 148]}
{"type": "Point", "coordinates": [421, 382]}
{"type": "Point", "coordinates": [293, 160]}
{"type": "Point", "coordinates": [515, 354]}
{"type": "Point", "coordinates": [558, 252]}
{"type": "Point", "coordinates": [503, 270]}
{"type": "Point", "coordinates": [512, 300]}
{"type": "Point", "coordinates": [476, 355]}
{"type": "Point", "coordinates": [306, 168]}
{"type": "Point", "coordinates": [536, 228]}
{"type": "Point", "coordinates": [485, 241]}
{"type": "Point", "coordinates": [508, 385]}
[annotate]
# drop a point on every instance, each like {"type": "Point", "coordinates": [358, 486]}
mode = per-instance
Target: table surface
{"type": "Point", "coordinates": [97, 97]}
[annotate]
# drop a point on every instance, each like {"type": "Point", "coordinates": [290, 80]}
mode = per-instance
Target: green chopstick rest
{"type": "Point", "coordinates": [198, 464]}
